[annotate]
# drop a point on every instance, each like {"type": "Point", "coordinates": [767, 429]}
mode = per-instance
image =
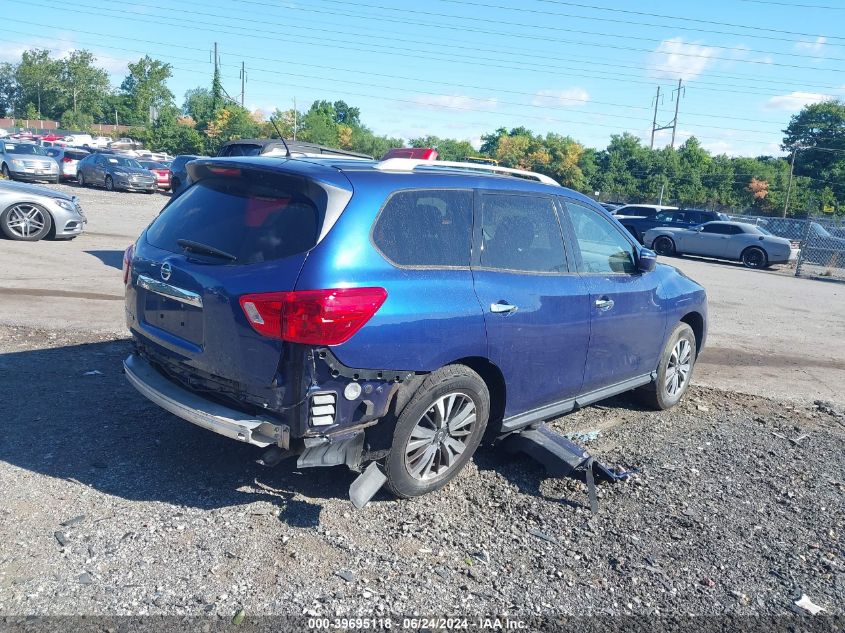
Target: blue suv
{"type": "Point", "coordinates": [396, 313]}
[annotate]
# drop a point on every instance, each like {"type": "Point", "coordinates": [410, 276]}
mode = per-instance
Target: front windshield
{"type": "Point", "coordinates": [25, 148]}
{"type": "Point", "coordinates": [121, 161]}
{"type": "Point", "coordinates": [820, 231]}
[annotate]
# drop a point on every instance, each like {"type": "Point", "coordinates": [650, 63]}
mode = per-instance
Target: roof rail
{"type": "Point", "coordinates": [410, 164]}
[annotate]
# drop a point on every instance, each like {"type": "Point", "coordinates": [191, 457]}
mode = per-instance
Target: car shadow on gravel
{"type": "Point", "coordinates": [109, 258]}
{"type": "Point", "coordinates": [70, 414]}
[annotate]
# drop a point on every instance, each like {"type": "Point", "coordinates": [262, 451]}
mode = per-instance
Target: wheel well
{"type": "Point", "coordinates": [748, 248]}
{"type": "Point", "coordinates": [495, 381]}
{"type": "Point", "coordinates": [696, 322]}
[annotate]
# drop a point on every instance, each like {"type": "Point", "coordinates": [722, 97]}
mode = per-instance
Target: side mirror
{"type": "Point", "coordinates": [647, 260]}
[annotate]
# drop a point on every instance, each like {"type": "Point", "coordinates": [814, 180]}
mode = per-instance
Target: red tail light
{"type": "Point", "coordinates": [67, 159]}
{"type": "Point", "coordinates": [312, 317]}
{"type": "Point", "coordinates": [127, 263]}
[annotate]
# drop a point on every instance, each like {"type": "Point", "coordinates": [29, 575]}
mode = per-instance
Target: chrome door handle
{"type": "Point", "coordinates": [604, 304]}
{"type": "Point", "coordinates": [502, 308]}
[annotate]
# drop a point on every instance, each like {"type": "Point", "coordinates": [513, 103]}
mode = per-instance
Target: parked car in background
{"type": "Point", "coordinates": [26, 161]}
{"type": "Point", "coordinates": [611, 207]}
{"type": "Point", "coordinates": [641, 210]}
{"type": "Point", "coordinates": [289, 304]}
{"type": "Point", "coordinates": [29, 213]}
{"type": "Point", "coordinates": [67, 158]}
{"type": "Point", "coordinates": [679, 218]}
{"type": "Point", "coordinates": [79, 140]}
{"type": "Point", "coordinates": [752, 245]}
{"type": "Point", "coordinates": [113, 171]}
{"type": "Point", "coordinates": [160, 171]}
{"type": "Point", "coordinates": [100, 141]}
{"type": "Point", "coordinates": [179, 174]}
{"type": "Point", "coordinates": [420, 153]}
{"type": "Point", "coordinates": [3, 133]}
{"type": "Point", "coordinates": [279, 147]}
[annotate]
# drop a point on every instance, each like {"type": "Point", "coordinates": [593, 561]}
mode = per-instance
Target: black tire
{"type": "Point", "coordinates": [4, 172]}
{"type": "Point", "coordinates": [446, 381]}
{"type": "Point", "coordinates": [754, 257]}
{"type": "Point", "coordinates": [658, 395]}
{"type": "Point", "coordinates": [174, 184]}
{"type": "Point", "coordinates": [9, 232]}
{"type": "Point", "coordinates": [109, 183]}
{"type": "Point", "coordinates": [80, 179]}
{"type": "Point", "coordinates": [664, 245]}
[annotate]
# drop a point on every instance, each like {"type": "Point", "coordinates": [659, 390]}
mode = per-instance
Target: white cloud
{"type": "Point", "coordinates": [455, 102]}
{"type": "Point", "coordinates": [61, 47]}
{"type": "Point", "coordinates": [568, 98]}
{"type": "Point", "coordinates": [676, 59]}
{"type": "Point", "coordinates": [812, 47]}
{"type": "Point", "coordinates": [795, 100]}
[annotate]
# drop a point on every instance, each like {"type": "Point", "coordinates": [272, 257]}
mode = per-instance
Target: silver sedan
{"type": "Point", "coordinates": [752, 245]}
{"type": "Point", "coordinates": [30, 212]}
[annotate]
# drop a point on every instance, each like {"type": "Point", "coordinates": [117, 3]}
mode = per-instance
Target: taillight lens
{"type": "Point", "coordinates": [127, 263]}
{"type": "Point", "coordinates": [67, 159]}
{"type": "Point", "coordinates": [312, 317]}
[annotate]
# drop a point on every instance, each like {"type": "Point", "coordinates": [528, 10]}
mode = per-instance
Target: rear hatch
{"type": "Point", "coordinates": [243, 227]}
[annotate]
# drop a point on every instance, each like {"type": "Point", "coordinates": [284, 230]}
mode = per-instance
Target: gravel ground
{"type": "Point", "coordinates": [112, 506]}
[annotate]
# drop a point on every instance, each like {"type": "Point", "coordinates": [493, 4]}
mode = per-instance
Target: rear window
{"type": "Point", "coordinates": [257, 217]}
{"type": "Point", "coordinates": [426, 228]}
{"type": "Point", "coordinates": [242, 149]}
{"type": "Point", "coordinates": [75, 155]}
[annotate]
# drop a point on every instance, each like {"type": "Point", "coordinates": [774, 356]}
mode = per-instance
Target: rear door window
{"type": "Point", "coordinates": [426, 228]}
{"type": "Point", "coordinates": [521, 233]}
{"type": "Point", "coordinates": [256, 217]}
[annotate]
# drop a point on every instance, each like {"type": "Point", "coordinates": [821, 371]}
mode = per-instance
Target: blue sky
{"type": "Point", "coordinates": [462, 68]}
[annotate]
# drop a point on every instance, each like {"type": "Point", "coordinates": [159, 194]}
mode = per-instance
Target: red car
{"type": "Point", "coordinates": [161, 172]}
{"type": "Point", "coordinates": [420, 153]}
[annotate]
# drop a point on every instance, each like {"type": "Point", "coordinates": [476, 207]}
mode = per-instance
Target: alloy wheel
{"type": "Point", "coordinates": [678, 369]}
{"type": "Point", "coordinates": [25, 220]}
{"type": "Point", "coordinates": [440, 436]}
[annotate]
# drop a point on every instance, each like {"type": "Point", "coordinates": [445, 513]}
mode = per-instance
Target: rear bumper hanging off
{"type": "Point", "coordinates": [561, 457]}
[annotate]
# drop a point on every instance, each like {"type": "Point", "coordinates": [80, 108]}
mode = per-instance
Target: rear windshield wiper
{"type": "Point", "coordinates": [205, 249]}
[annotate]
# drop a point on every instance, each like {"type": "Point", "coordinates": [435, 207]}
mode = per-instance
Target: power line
{"type": "Point", "coordinates": [404, 50]}
{"type": "Point", "coordinates": [673, 17]}
{"type": "Point", "coordinates": [428, 93]}
{"type": "Point", "coordinates": [274, 71]}
{"type": "Point", "coordinates": [794, 5]}
{"type": "Point", "coordinates": [627, 21]}
{"type": "Point", "coordinates": [475, 19]}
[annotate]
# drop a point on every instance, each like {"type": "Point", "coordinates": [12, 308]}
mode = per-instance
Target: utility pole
{"type": "Point", "coordinates": [677, 103]}
{"type": "Point", "coordinates": [795, 149]}
{"type": "Point", "coordinates": [654, 120]}
{"type": "Point", "coordinates": [243, 83]}
{"type": "Point", "coordinates": [654, 126]}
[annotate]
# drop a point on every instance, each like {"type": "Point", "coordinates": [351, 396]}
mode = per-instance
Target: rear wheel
{"type": "Point", "coordinates": [26, 222]}
{"type": "Point", "coordinates": [664, 246]}
{"type": "Point", "coordinates": [674, 371]}
{"type": "Point", "coordinates": [80, 179]}
{"type": "Point", "coordinates": [438, 431]}
{"type": "Point", "coordinates": [754, 258]}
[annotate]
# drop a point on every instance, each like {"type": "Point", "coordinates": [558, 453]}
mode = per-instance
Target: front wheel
{"type": "Point", "coordinates": [438, 431]}
{"type": "Point", "coordinates": [26, 222]}
{"type": "Point", "coordinates": [109, 184]}
{"type": "Point", "coordinates": [4, 172]}
{"type": "Point", "coordinates": [664, 246]}
{"type": "Point", "coordinates": [754, 258]}
{"type": "Point", "coordinates": [674, 371]}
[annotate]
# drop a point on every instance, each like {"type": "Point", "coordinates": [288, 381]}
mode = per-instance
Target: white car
{"type": "Point", "coordinates": [3, 133]}
{"type": "Point", "coordinates": [79, 140]}
{"type": "Point", "coordinates": [752, 245]}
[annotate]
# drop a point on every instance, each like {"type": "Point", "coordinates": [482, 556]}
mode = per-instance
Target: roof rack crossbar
{"type": "Point", "coordinates": [410, 164]}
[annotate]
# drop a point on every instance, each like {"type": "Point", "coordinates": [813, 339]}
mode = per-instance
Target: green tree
{"type": "Point", "coordinates": [319, 125]}
{"type": "Point", "coordinates": [8, 89]}
{"type": "Point", "coordinates": [145, 88]}
{"type": "Point", "coordinates": [199, 105]}
{"type": "Point", "coordinates": [447, 148]}
{"type": "Point", "coordinates": [37, 77]}
{"type": "Point", "coordinates": [83, 84]}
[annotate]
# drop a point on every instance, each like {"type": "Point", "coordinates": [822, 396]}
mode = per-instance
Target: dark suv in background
{"type": "Point", "coordinates": [676, 218]}
{"type": "Point", "coordinates": [392, 313]}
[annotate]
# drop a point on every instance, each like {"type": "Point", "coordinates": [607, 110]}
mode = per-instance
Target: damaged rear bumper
{"type": "Point", "coordinates": [200, 411]}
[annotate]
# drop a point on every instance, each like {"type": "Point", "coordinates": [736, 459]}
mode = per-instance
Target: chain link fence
{"type": "Point", "coordinates": [821, 242]}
